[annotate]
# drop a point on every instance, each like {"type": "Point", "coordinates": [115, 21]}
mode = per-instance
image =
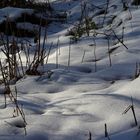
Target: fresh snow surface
{"type": "Point", "coordinates": [77, 100]}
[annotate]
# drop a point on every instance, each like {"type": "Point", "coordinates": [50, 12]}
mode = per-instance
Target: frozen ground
{"type": "Point", "coordinates": [77, 100]}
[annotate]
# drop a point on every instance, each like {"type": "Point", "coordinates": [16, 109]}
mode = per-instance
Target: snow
{"type": "Point", "coordinates": [76, 99]}
{"type": "Point", "coordinates": [12, 13]}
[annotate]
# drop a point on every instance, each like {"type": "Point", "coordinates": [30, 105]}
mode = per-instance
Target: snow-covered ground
{"type": "Point", "coordinates": [12, 13]}
{"type": "Point", "coordinates": [77, 99]}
